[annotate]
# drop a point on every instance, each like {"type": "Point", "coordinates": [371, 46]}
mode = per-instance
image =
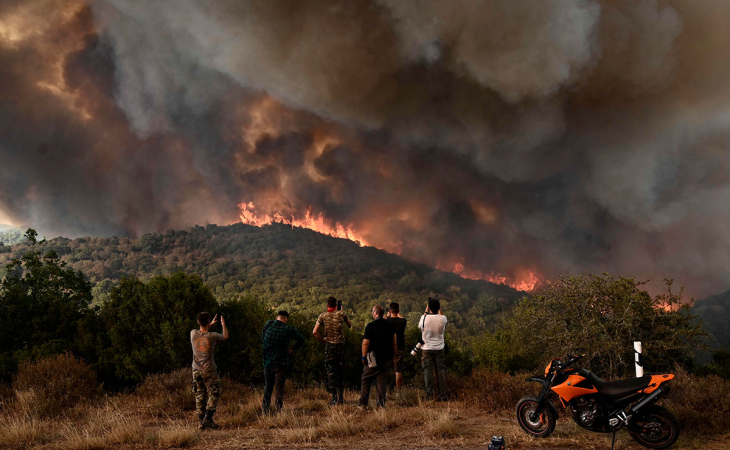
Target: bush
{"type": "Point", "coordinates": [147, 325]}
{"type": "Point", "coordinates": [602, 315]}
{"type": "Point", "coordinates": [168, 394]}
{"type": "Point", "coordinates": [493, 390]}
{"type": "Point", "coordinates": [700, 403]}
{"type": "Point", "coordinates": [56, 383]}
{"type": "Point", "coordinates": [43, 306]}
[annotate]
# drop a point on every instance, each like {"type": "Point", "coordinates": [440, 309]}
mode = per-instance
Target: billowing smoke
{"type": "Point", "coordinates": [505, 136]}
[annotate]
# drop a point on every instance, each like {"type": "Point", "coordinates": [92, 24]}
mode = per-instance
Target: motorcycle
{"type": "Point", "coordinates": [600, 406]}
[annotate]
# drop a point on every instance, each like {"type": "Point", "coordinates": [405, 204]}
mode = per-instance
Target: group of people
{"type": "Point", "coordinates": [383, 346]}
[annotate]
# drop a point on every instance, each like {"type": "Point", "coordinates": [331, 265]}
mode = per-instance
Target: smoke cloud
{"type": "Point", "coordinates": [507, 136]}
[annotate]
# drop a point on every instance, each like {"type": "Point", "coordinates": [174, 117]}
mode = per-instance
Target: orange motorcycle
{"type": "Point", "coordinates": [600, 406]}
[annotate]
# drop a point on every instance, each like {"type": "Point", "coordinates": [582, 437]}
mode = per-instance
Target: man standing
{"type": "Point", "coordinates": [206, 384]}
{"type": "Point", "coordinates": [334, 348]}
{"type": "Point", "coordinates": [277, 358]}
{"type": "Point", "coordinates": [433, 325]}
{"type": "Point", "coordinates": [378, 349]}
{"type": "Point", "coordinates": [399, 324]}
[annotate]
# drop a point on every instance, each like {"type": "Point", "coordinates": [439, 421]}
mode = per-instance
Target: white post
{"type": "Point", "coordinates": [637, 360]}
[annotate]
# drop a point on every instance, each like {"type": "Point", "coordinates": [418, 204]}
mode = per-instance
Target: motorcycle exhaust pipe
{"type": "Point", "coordinates": [646, 400]}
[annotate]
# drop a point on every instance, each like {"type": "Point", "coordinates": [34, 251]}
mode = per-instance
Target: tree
{"type": "Point", "coordinates": [147, 325]}
{"type": "Point", "coordinates": [43, 305]}
{"type": "Point", "coordinates": [603, 315]}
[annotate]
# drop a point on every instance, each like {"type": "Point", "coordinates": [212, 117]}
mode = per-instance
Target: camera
{"type": "Point", "coordinates": [497, 443]}
{"type": "Point", "coordinates": [339, 305]}
{"type": "Point", "coordinates": [417, 348]}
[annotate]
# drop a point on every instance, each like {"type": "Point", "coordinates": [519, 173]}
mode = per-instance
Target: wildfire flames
{"type": "Point", "coordinates": [310, 221]}
{"type": "Point", "coordinates": [526, 281]}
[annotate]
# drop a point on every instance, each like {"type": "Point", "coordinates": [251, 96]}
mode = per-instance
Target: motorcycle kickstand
{"type": "Point", "coordinates": [613, 439]}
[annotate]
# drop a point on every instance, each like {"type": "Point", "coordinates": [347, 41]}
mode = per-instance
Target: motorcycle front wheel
{"type": "Point", "coordinates": [654, 427]}
{"type": "Point", "coordinates": [538, 426]}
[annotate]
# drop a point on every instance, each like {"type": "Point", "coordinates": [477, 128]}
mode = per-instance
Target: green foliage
{"type": "Point", "coordinates": [43, 307]}
{"type": "Point", "coordinates": [147, 325]}
{"type": "Point", "coordinates": [603, 315]}
{"type": "Point", "coordinates": [715, 314]}
{"type": "Point", "coordinates": [10, 237]}
{"type": "Point", "coordinates": [148, 292]}
{"type": "Point", "coordinates": [499, 351]}
{"type": "Point", "coordinates": [240, 357]}
{"type": "Point", "coordinates": [289, 268]}
{"type": "Point", "coordinates": [719, 366]}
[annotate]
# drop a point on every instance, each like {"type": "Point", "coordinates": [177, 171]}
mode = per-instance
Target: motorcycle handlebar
{"type": "Point", "coordinates": [573, 358]}
{"type": "Point", "coordinates": [558, 364]}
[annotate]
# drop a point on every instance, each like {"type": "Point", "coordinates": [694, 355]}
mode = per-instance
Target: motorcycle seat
{"type": "Point", "coordinates": [620, 388]}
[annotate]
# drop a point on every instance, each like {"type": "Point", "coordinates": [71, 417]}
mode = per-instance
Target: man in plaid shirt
{"type": "Point", "coordinates": [277, 358]}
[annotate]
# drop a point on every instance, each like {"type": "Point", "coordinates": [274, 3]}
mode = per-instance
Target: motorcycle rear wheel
{"type": "Point", "coordinates": [541, 426]}
{"type": "Point", "coordinates": [655, 427]}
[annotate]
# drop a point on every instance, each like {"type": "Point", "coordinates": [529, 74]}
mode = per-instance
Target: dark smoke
{"type": "Point", "coordinates": [506, 135]}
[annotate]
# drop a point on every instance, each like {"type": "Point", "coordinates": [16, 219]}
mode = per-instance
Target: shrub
{"type": "Point", "coordinates": [602, 315]}
{"type": "Point", "coordinates": [493, 390]}
{"type": "Point", "coordinates": [168, 394]}
{"type": "Point", "coordinates": [700, 403]}
{"type": "Point", "coordinates": [147, 325]}
{"type": "Point", "coordinates": [56, 383]}
{"type": "Point", "coordinates": [43, 305]}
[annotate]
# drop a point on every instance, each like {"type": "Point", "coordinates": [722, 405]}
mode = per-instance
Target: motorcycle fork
{"type": "Point", "coordinates": [542, 398]}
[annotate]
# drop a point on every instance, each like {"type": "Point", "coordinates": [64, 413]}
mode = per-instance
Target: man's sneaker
{"type": "Point", "coordinates": [208, 421]}
{"type": "Point", "coordinates": [362, 407]}
{"type": "Point", "coordinates": [201, 417]}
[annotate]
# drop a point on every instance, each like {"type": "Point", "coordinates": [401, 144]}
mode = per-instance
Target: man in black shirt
{"type": "Point", "coordinates": [399, 324]}
{"type": "Point", "coordinates": [378, 349]}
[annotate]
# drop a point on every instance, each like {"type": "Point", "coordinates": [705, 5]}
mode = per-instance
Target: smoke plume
{"type": "Point", "coordinates": [497, 137]}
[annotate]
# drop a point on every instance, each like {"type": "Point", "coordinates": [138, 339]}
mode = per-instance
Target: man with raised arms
{"type": "Point", "coordinates": [206, 383]}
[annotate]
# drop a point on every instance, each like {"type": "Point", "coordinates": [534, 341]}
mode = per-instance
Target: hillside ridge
{"type": "Point", "coordinates": [288, 267]}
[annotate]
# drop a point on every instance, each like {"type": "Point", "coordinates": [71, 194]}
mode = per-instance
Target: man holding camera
{"type": "Point", "coordinates": [378, 348]}
{"type": "Point", "coordinates": [334, 347]}
{"type": "Point", "coordinates": [433, 326]}
{"type": "Point", "coordinates": [399, 324]}
{"type": "Point", "coordinates": [206, 384]}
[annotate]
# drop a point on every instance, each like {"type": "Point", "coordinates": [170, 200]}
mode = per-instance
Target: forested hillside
{"type": "Point", "coordinates": [715, 314]}
{"type": "Point", "coordinates": [9, 236]}
{"type": "Point", "coordinates": [291, 268]}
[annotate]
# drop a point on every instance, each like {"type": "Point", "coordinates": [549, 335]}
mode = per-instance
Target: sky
{"type": "Point", "coordinates": [507, 140]}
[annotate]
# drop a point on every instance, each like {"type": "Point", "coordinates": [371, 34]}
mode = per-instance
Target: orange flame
{"type": "Point", "coordinates": [317, 223]}
{"type": "Point", "coordinates": [526, 281]}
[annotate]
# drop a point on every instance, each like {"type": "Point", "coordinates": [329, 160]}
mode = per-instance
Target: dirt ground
{"type": "Point", "coordinates": [307, 422]}
{"type": "Point", "coordinates": [407, 424]}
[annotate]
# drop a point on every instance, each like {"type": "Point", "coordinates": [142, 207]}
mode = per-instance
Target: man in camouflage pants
{"type": "Point", "coordinates": [206, 384]}
{"type": "Point", "coordinates": [334, 350]}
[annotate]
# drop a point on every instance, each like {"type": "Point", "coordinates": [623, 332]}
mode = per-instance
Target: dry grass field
{"type": "Point", "coordinates": [159, 414]}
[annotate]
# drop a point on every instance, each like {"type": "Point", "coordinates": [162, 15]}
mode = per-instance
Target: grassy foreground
{"type": "Point", "coordinates": [159, 414]}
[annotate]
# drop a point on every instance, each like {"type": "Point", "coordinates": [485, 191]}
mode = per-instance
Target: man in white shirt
{"type": "Point", "coordinates": [433, 325]}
